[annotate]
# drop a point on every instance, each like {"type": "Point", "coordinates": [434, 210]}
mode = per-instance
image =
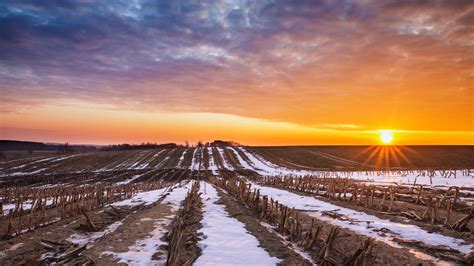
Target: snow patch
{"type": "Point", "coordinates": [358, 221]}
{"type": "Point", "coordinates": [146, 198]}
{"type": "Point", "coordinates": [12, 248]}
{"type": "Point", "coordinates": [266, 168]}
{"type": "Point", "coordinates": [212, 165]}
{"type": "Point", "coordinates": [226, 241]}
{"type": "Point", "coordinates": [86, 238]}
{"type": "Point", "coordinates": [289, 244]}
{"type": "Point", "coordinates": [195, 162]}
{"type": "Point", "coordinates": [142, 251]}
{"type": "Point", "coordinates": [224, 161]}
{"type": "Point", "coordinates": [126, 181]}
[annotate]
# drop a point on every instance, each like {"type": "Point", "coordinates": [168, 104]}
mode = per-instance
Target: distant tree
{"type": "Point", "coordinates": [224, 143]}
{"type": "Point", "coordinates": [65, 148]}
{"type": "Point", "coordinates": [126, 146]}
{"type": "Point", "coordinates": [186, 143]}
{"type": "Point", "coordinates": [199, 144]}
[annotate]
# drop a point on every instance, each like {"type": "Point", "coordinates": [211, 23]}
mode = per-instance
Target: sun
{"type": "Point", "coordinates": [386, 136]}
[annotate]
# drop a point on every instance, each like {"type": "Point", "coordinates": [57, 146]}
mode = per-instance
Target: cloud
{"type": "Point", "coordinates": [309, 62]}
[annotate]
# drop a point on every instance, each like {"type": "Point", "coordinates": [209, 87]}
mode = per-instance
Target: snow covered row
{"type": "Point", "coordinates": [132, 178]}
{"type": "Point", "coordinates": [35, 168]}
{"type": "Point", "coordinates": [142, 251]}
{"type": "Point", "coordinates": [226, 240]}
{"type": "Point", "coordinates": [241, 160]}
{"type": "Point", "coordinates": [149, 197]}
{"type": "Point", "coordinates": [88, 238]}
{"type": "Point", "coordinates": [226, 164]}
{"type": "Point", "coordinates": [146, 198]}
{"type": "Point", "coordinates": [196, 161]}
{"type": "Point", "coordinates": [264, 167]}
{"type": "Point", "coordinates": [212, 165]}
{"type": "Point", "coordinates": [361, 222]}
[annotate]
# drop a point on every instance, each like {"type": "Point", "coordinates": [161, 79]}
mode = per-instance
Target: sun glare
{"type": "Point", "coordinates": [386, 137]}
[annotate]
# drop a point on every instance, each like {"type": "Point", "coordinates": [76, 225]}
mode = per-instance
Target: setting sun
{"type": "Point", "coordinates": [386, 137]}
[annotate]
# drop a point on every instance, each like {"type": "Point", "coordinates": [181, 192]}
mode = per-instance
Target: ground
{"type": "Point", "coordinates": [133, 207]}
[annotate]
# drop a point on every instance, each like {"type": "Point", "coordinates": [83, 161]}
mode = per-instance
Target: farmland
{"type": "Point", "coordinates": [240, 205]}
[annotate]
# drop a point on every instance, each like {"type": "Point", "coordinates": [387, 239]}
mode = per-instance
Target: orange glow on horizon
{"type": "Point", "coordinates": [100, 124]}
{"type": "Point", "coordinates": [272, 73]}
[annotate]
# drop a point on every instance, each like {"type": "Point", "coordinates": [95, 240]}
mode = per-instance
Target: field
{"type": "Point", "coordinates": [221, 205]}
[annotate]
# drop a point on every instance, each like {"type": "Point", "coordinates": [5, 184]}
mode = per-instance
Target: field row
{"type": "Point", "coordinates": [276, 213]}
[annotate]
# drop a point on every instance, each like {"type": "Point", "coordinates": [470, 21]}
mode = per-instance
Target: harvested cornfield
{"type": "Point", "coordinates": [224, 205]}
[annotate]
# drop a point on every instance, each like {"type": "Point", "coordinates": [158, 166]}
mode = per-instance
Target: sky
{"type": "Point", "coordinates": [256, 72]}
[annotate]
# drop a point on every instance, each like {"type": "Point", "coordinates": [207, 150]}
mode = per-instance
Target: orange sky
{"type": "Point", "coordinates": [99, 124]}
{"type": "Point", "coordinates": [257, 72]}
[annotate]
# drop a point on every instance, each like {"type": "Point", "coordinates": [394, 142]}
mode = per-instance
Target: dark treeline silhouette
{"type": "Point", "coordinates": [16, 145]}
{"type": "Point", "coordinates": [224, 143]}
{"type": "Point", "coordinates": [31, 146]}
{"type": "Point", "coordinates": [125, 146]}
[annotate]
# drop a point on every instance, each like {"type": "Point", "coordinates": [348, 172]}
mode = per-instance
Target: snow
{"type": "Point", "coordinates": [85, 238]}
{"type": "Point", "coordinates": [35, 161]}
{"type": "Point", "coordinates": [126, 181]}
{"type": "Point", "coordinates": [26, 205]}
{"type": "Point", "coordinates": [173, 198]}
{"type": "Point", "coordinates": [118, 167]}
{"type": "Point", "coordinates": [358, 221]}
{"type": "Point", "coordinates": [142, 251]}
{"type": "Point", "coordinates": [64, 158]}
{"type": "Point", "coordinates": [181, 159]}
{"type": "Point", "coordinates": [242, 161]}
{"type": "Point", "coordinates": [27, 173]}
{"type": "Point", "coordinates": [138, 164]}
{"type": "Point", "coordinates": [12, 248]}
{"type": "Point", "coordinates": [163, 162]}
{"type": "Point", "coordinates": [195, 162]}
{"type": "Point", "coordinates": [300, 251]}
{"type": "Point", "coordinates": [226, 240]}
{"type": "Point", "coordinates": [224, 161]}
{"type": "Point", "coordinates": [408, 178]}
{"type": "Point", "coordinates": [178, 194]}
{"type": "Point", "coordinates": [146, 164]}
{"type": "Point", "coordinates": [212, 164]}
{"type": "Point", "coordinates": [404, 178]}
{"type": "Point", "coordinates": [146, 198]}
{"type": "Point", "coordinates": [266, 168]}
